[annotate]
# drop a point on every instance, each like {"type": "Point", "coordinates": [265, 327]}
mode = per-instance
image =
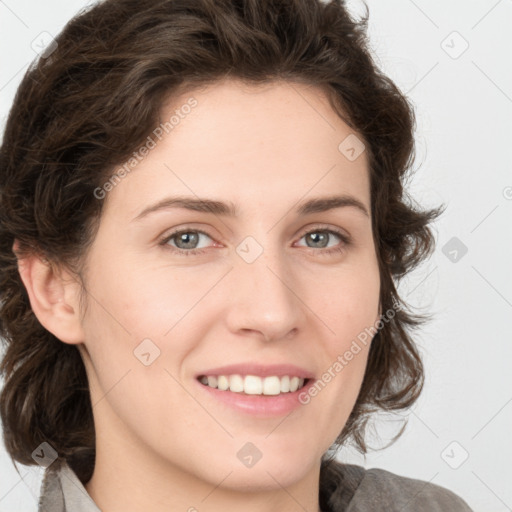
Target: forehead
{"type": "Point", "coordinates": [252, 145]}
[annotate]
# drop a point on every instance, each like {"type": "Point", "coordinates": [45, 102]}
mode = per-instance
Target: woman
{"type": "Point", "coordinates": [202, 224]}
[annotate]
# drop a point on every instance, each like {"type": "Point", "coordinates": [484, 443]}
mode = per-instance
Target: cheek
{"type": "Point", "coordinates": [349, 308]}
{"type": "Point", "coordinates": [148, 301]}
{"type": "Point", "coordinates": [349, 305]}
{"type": "Point", "coordinates": [140, 326]}
{"type": "Point", "coordinates": [135, 365]}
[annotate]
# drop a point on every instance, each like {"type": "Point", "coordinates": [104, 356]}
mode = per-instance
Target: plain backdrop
{"type": "Point", "coordinates": [453, 60]}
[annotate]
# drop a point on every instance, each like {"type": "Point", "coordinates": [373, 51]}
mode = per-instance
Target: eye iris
{"type": "Point", "coordinates": [188, 239]}
{"type": "Point", "coordinates": [318, 235]}
{"type": "Point", "coordinates": [183, 238]}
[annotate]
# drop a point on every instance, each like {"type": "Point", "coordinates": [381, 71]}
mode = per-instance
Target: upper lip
{"type": "Point", "coordinates": [279, 370]}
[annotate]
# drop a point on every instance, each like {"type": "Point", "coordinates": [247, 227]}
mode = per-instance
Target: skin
{"type": "Point", "coordinates": [161, 445]}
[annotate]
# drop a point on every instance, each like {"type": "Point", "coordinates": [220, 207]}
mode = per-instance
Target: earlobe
{"type": "Point", "coordinates": [52, 294]}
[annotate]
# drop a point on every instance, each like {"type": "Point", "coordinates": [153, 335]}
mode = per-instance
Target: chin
{"type": "Point", "coordinates": [263, 477]}
{"type": "Point", "coordinates": [268, 468]}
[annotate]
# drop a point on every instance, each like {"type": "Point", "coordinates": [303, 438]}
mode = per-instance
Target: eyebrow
{"type": "Point", "coordinates": [229, 209]}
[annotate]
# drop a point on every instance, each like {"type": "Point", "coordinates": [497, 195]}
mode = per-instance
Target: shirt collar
{"type": "Point", "coordinates": [62, 491]}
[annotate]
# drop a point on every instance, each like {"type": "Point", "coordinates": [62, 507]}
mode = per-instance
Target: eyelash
{"type": "Point", "coordinates": [347, 241]}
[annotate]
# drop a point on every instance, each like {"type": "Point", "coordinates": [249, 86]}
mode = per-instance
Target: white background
{"type": "Point", "coordinates": [463, 104]}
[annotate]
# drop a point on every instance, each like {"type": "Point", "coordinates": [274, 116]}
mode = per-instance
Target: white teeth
{"type": "Point", "coordinates": [285, 384]}
{"type": "Point", "coordinates": [254, 385]}
{"type": "Point", "coordinates": [294, 384]}
{"type": "Point", "coordinates": [236, 383]}
{"type": "Point", "coordinates": [271, 386]}
{"type": "Point", "coordinates": [222, 382]}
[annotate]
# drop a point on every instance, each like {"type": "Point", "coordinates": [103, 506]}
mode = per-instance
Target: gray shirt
{"type": "Point", "coordinates": [343, 488]}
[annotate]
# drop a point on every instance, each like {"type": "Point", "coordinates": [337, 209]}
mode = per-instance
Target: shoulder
{"type": "Point", "coordinates": [379, 489]}
{"type": "Point", "coordinates": [383, 488]}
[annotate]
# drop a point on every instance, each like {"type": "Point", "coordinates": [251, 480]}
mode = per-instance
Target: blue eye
{"type": "Point", "coordinates": [192, 236]}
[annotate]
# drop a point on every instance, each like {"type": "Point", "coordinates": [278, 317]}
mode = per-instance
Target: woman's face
{"type": "Point", "coordinates": [269, 294]}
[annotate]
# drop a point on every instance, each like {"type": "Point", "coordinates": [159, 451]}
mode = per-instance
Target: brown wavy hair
{"type": "Point", "coordinates": [86, 106]}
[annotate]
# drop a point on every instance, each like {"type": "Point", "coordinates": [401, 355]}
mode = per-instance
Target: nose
{"type": "Point", "coordinates": [265, 298]}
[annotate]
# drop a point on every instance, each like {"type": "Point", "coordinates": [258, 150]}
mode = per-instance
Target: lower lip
{"type": "Point", "coordinates": [259, 405]}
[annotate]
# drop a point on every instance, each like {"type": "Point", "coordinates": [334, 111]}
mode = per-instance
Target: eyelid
{"type": "Point", "coordinates": [165, 238]}
{"type": "Point", "coordinates": [325, 227]}
{"type": "Point", "coordinates": [344, 236]}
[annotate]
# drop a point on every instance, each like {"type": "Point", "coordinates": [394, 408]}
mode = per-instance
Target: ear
{"type": "Point", "coordinates": [53, 295]}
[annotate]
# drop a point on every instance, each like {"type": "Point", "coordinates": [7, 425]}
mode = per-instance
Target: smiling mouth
{"type": "Point", "coordinates": [253, 384]}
